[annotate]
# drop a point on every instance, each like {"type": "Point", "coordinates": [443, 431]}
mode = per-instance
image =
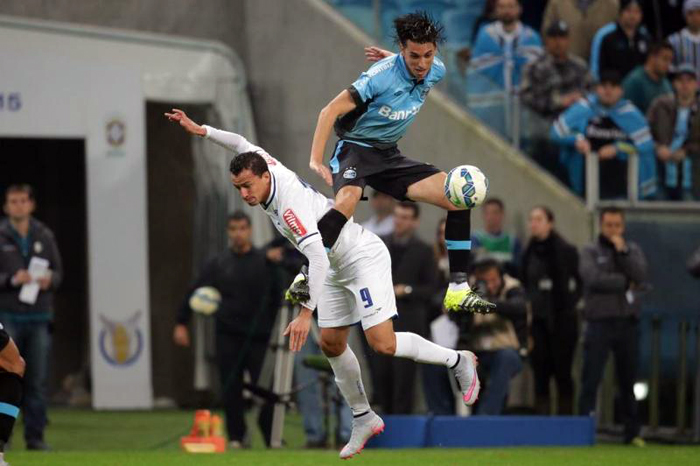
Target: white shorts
{"type": "Point", "coordinates": [362, 288]}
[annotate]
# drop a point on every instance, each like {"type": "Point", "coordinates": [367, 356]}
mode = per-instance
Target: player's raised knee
{"type": "Point", "coordinates": [386, 347]}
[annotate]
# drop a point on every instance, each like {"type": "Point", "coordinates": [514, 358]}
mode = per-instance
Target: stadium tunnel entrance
{"type": "Point", "coordinates": [55, 168]}
{"type": "Point", "coordinates": [81, 117]}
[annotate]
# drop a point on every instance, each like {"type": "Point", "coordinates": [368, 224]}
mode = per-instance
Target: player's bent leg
{"type": "Point", "coordinates": [366, 423]}
{"type": "Point", "coordinates": [432, 191]}
{"type": "Point", "coordinates": [331, 224]}
{"type": "Point", "coordinates": [459, 296]}
{"type": "Point", "coordinates": [384, 340]}
{"type": "Point", "coordinates": [347, 198]}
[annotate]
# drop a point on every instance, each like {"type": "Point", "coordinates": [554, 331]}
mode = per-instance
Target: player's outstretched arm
{"type": "Point", "coordinates": [375, 54]}
{"type": "Point", "coordinates": [185, 121]}
{"type": "Point", "coordinates": [342, 104]}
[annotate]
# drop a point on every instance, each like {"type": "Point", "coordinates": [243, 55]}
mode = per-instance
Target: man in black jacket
{"type": "Point", "coordinates": [251, 288]}
{"type": "Point", "coordinates": [27, 320]}
{"type": "Point", "coordinates": [612, 270]}
{"type": "Point", "coordinates": [414, 271]}
{"type": "Point", "coordinates": [550, 275]}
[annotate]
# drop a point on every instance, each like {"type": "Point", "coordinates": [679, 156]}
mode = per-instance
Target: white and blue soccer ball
{"type": "Point", "coordinates": [205, 300]}
{"type": "Point", "coordinates": [466, 186]}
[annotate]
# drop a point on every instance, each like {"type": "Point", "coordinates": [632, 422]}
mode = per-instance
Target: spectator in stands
{"type": "Point", "coordinates": [606, 124]}
{"type": "Point", "coordinates": [24, 239]}
{"type": "Point", "coordinates": [674, 120]}
{"type": "Point", "coordinates": [645, 83]}
{"type": "Point", "coordinates": [496, 337]}
{"type": "Point", "coordinates": [686, 42]}
{"type": "Point", "coordinates": [621, 45]}
{"type": "Point", "coordinates": [550, 276]}
{"type": "Point", "coordinates": [413, 270]}
{"type": "Point", "coordinates": [493, 241]}
{"type": "Point", "coordinates": [557, 79]}
{"type": "Point", "coordinates": [381, 223]}
{"type": "Point", "coordinates": [612, 270]}
{"type": "Point", "coordinates": [251, 289]}
{"type": "Point", "coordinates": [504, 47]}
{"type": "Point", "coordinates": [550, 85]}
{"type": "Point", "coordinates": [533, 13]}
{"type": "Point", "coordinates": [662, 17]}
{"type": "Point", "coordinates": [584, 18]}
{"type": "Point", "coordinates": [487, 15]}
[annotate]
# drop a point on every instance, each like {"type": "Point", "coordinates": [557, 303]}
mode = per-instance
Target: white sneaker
{"type": "Point", "coordinates": [467, 378]}
{"type": "Point", "coordinates": [363, 428]}
{"type": "Point", "coordinates": [2, 460]}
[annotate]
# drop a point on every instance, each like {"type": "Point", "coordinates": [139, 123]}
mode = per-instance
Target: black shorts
{"type": "Point", "coordinates": [385, 170]}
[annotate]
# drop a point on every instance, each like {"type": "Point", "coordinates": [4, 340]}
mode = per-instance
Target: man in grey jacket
{"type": "Point", "coordinates": [612, 270]}
{"type": "Point", "coordinates": [27, 320]}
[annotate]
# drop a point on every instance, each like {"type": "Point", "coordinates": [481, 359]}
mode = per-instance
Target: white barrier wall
{"type": "Point", "coordinates": [84, 83]}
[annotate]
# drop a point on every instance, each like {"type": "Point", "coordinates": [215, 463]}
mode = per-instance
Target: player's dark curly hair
{"type": "Point", "coordinates": [418, 27]}
{"type": "Point", "coordinates": [248, 161]}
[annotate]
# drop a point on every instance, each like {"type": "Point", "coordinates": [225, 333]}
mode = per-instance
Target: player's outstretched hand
{"type": "Point", "coordinates": [185, 121]}
{"type": "Point", "coordinates": [298, 330]}
{"type": "Point", "coordinates": [375, 54]}
{"type": "Point", "coordinates": [322, 171]}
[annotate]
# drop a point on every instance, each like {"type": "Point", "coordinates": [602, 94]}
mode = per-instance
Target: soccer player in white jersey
{"type": "Point", "coordinates": [351, 283]}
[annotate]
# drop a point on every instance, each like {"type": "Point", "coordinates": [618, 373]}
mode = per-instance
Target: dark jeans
{"type": "Point", "coordinates": [234, 354]}
{"type": "Point", "coordinates": [394, 384]}
{"type": "Point", "coordinates": [552, 356]}
{"type": "Point", "coordinates": [438, 390]}
{"type": "Point", "coordinates": [33, 340]}
{"type": "Point", "coordinates": [499, 367]}
{"type": "Point", "coordinates": [621, 336]}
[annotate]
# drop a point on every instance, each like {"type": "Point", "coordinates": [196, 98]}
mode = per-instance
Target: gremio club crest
{"type": "Point", "coordinates": [121, 343]}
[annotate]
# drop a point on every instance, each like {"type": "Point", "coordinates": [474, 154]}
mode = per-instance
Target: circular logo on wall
{"type": "Point", "coordinates": [116, 132]}
{"type": "Point", "coordinates": [121, 343]}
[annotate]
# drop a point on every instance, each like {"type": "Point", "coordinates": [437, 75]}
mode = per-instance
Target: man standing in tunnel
{"type": "Point", "coordinates": [27, 315]}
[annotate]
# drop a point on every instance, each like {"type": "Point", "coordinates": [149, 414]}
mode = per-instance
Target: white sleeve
{"type": "Point", "coordinates": [231, 141]}
{"type": "Point", "coordinates": [318, 268]}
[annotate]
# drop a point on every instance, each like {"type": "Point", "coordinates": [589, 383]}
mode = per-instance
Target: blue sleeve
{"type": "Point", "coordinates": [374, 80]}
{"type": "Point", "coordinates": [595, 48]}
{"type": "Point", "coordinates": [569, 125]}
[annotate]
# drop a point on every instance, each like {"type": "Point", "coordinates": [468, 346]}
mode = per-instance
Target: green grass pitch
{"type": "Point", "coordinates": [151, 438]}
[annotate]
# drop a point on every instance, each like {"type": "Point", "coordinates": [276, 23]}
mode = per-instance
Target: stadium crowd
{"type": "Point", "coordinates": [604, 82]}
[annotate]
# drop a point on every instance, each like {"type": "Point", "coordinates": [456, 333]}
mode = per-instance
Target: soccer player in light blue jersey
{"type": "Point", "coordinates": [370, 117]}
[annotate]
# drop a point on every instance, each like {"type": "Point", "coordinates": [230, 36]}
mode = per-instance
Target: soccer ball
{"type": "Point", "coordinates": [205, 300]}
{"type": "Point", "coordinates": [466, 186]}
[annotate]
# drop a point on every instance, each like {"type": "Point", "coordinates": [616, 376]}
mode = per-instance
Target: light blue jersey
{"type": "Point", "coordinates": [388, 98]}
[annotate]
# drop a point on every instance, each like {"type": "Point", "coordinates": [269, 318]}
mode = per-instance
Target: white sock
{"type": "Point", "coordinates": [412, 346]}
{"type": "Point", "coordinates": [349, 379]}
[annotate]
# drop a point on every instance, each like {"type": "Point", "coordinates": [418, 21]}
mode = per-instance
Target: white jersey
{"type": "Point", "coordinates": [351, 282]}
{"type": "Point", "coordinates": [294, 206]}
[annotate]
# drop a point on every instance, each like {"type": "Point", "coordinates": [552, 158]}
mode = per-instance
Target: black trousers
{"type": "Point", "coordinates": [552, 356]}
{"type": "Point", "coordinates": [621, 336]}
{"type": "Point", "coordinates": [394, 384]}
{"type": "Point", "coordinates": [236, 353]}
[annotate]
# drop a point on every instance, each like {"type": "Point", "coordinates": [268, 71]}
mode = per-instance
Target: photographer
{"type": "Point", "coordinates": [498, 338]}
